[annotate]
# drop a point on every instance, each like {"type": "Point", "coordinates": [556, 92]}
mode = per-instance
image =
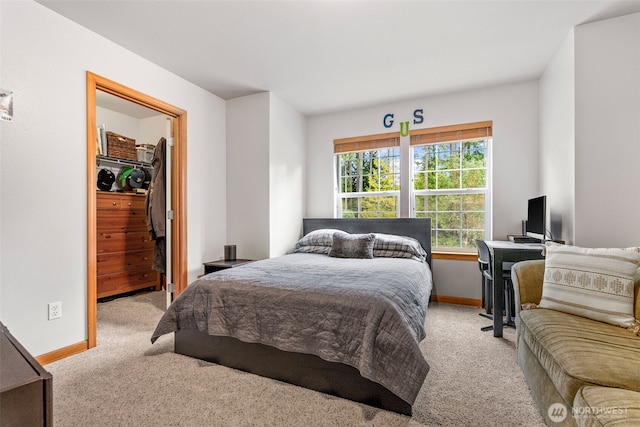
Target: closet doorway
{"type": "Point", "coordinates": [176, 188]}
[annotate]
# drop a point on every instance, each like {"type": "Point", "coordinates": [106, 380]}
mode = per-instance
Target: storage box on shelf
{"type": "Point", "coordinates": [145, 152]}
{"type": "Point", "coordinates": [121, 147]}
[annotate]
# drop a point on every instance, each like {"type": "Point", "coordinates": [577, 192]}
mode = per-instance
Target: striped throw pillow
{"type": "Point", "coordinates": [596, 283]}
{"type": "Point", "coordinates": [316, 242]}
{"type": "Point", "coordinates": [392, 246]}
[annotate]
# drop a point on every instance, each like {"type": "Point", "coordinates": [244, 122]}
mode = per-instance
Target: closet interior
{"type": "Point", "coordinates": [129, 163]}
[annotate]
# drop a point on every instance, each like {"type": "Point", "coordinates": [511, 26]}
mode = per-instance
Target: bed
{"type": "Point", "coordinates": [343, 324]}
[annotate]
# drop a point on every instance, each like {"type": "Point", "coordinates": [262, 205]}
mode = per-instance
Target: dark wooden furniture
{"type": "Point", "coordinates": [501, 252]}
{"type": "Point", "coordinates": [26, 393]}
{"type": "Point", "coordinates": [307, 370]}
{"type": "Point", "coordinates": [125, 250]}
{"type": "Point", "coordinates": [213, 266]}
{"type": "Point", "coordinates": [485, 263]}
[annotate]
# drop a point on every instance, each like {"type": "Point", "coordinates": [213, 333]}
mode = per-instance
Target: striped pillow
{"type": "Point", "coordinates": [392, 246]}
{"type": "Point", "coordinates": [316, 242]}
{"type": "Point", "coordinates": [596, 283]}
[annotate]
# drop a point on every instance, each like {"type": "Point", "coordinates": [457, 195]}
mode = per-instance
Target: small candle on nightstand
{"type": "Point", "coordinates": [229, 252]}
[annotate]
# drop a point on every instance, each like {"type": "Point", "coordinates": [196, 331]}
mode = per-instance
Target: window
{"type": "Point", "coordinates": [449, 180]}
{"type": "Point", "coordinates": [450, 187]}
{"type": "Point", "coordinates": [369, 183]}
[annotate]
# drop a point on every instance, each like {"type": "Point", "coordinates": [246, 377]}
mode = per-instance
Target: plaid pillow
{"type": "Point", "coordinates": [392, 246]}
{"type": "Point", "coordinates": [316, 242]}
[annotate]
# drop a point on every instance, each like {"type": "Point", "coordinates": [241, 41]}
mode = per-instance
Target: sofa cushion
{"type": "Point", "coordinates": [576, 351]}
{"type": "Point", "coordinates": [605, 406]}
{"type": "Point", "coordinates": [597, 283]}
{"type": "Point", "coordinates": [637, 298]}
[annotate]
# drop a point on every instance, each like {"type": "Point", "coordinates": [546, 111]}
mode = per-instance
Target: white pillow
{"type": "Point", "coordinates": [596, 283]}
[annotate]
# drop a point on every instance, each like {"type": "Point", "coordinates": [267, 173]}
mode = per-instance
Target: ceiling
{"type": "Point", "coordinates": [124, 106]}
{"type": "Point", "coordinates": [329, 56]}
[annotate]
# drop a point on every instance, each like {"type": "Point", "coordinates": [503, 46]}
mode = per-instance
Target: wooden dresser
{"type": "Point", "coordinates": [26, 390]}
{"type": "Point", "coordinates": [125, 251]}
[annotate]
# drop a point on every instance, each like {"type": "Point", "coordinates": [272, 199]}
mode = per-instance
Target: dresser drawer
{"type": "Point", "coordinates": [121, 220]}
{"type": "Point", "coordinates": [106, 200]}
{"type": "Point", "coordinates": [117, 283]}
{"type": "Point", "coordinates": [124, 261]}
{"type": "Point", "coordinates": [123, 242]}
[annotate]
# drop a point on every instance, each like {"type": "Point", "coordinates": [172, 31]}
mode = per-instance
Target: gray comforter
{"type": "Point", "coordinates": [367, 313]}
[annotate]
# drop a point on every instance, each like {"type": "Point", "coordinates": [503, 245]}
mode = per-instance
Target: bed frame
{"type": "Point", "coordinates": [308, 370]}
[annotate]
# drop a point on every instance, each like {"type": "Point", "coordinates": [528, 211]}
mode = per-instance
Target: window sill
{"type": "Point", "coordinates": [457, 256]}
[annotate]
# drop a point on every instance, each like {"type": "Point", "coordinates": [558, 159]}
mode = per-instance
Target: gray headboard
{"type": "Point", "coordinates": [418, 228]}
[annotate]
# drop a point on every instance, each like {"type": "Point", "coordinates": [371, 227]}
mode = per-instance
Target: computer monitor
{"type": "Point", "coordinates": [537, 218]}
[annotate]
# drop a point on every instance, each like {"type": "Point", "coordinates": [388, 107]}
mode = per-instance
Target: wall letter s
{"type": "Point", "coordinates": [418, 117]}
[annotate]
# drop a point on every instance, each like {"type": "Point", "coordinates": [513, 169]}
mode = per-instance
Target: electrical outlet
{"type": "Point", "coordinates": [55, 310]}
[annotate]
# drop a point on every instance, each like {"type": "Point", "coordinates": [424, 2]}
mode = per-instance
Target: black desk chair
{"type": "Point", "coordinates": [486, 267]}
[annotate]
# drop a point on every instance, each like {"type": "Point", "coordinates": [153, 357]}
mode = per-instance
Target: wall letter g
{"type": "Point", "coordinates": [388, 120]}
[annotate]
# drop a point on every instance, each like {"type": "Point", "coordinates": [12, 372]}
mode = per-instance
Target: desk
{"type": "Point", "coordinates": [505, 251]}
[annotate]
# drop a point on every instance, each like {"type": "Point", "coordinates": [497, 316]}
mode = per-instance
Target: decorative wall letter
{"type": "Point", "coordinates": [405, 131]}
{"type": "Point", "coordinates": [388, 120]}
{"type": "Point", "coordinates": [418, 117]}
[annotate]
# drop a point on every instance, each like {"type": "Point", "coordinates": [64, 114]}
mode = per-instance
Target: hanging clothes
{"type": "Point", "coordinates": [156, 206]}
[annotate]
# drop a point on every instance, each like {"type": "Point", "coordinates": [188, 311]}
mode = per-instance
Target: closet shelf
{"type": "Point", "coordinates": [115, 160]}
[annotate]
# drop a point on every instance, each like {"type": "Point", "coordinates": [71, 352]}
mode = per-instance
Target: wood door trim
{"type": "Point", "coordinates": [178, 188]}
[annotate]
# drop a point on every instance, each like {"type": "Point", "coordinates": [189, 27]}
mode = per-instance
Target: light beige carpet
{"type": "Point", "coordinates": [126, 381]}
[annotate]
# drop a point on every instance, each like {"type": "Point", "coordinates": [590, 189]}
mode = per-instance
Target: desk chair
{"type": "Point", "coordinates": [486, 268]}
{"type": "Point", "coordinates": [485, 264]}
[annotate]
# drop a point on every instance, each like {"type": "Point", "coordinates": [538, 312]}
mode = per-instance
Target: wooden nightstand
{"type": "Point", "coordinates": [26, 389]}
{"type": "Point", "coordinates": [212, 266]}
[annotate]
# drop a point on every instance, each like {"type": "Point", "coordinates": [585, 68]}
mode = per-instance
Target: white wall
{"type": "Point", "coordinates": [514, 111]}
{"type": "Point", "coordinates": [119, 123]}
{"type": "Point", "coordinates": [557, 141]}
{"type": "Point", "coordinates": [43, 225]}
{"type": "Point", "coordinates": [590, 134]}
{"type": "Point", "coordinates": [608, 132]}
{"type": "Point", "coordinates": [286, 176]}
{"type": "Point", "coordinates": [607, 116]}
{"type": "Point", "coordinates": [145, 131]}
{"type": "Point", "coordinates": [265, 175]}
{"type": "Point", "coordinates": [152, 129]}
{"type": "Point", "coordinates": [248, 175]}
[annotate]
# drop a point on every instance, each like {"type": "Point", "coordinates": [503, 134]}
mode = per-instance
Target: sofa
{"type": "Point", "coordinates": [580, 371]}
